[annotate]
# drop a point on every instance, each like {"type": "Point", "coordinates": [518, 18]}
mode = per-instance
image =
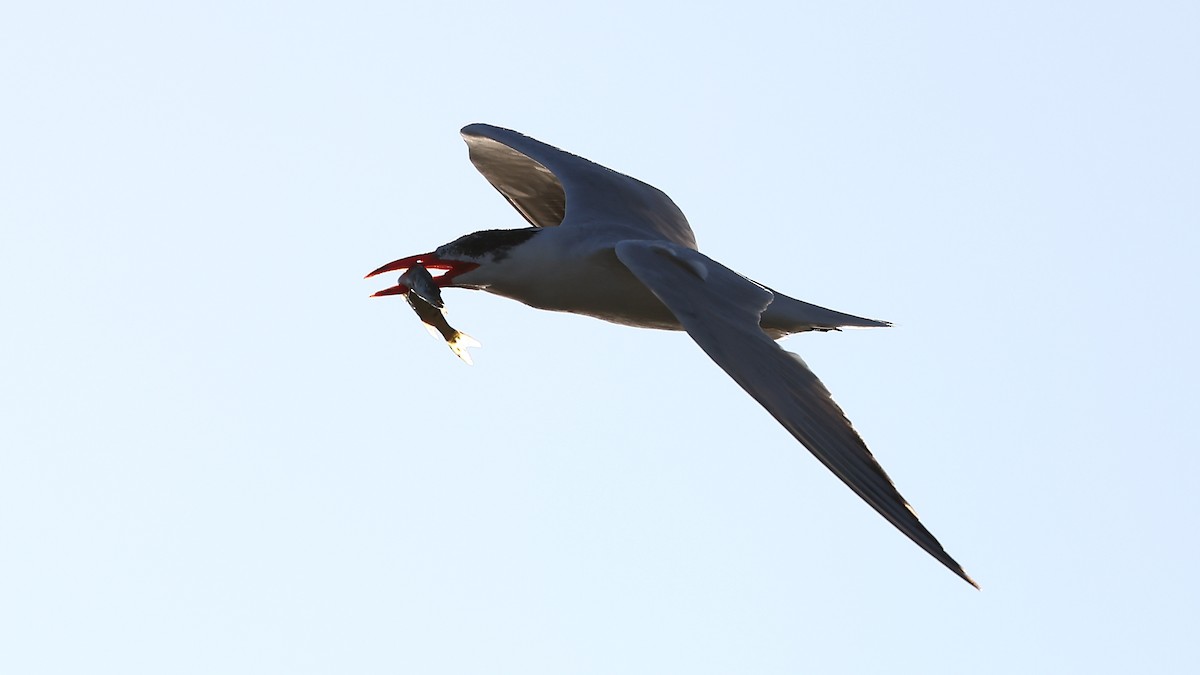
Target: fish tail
{"type": "Point", "coordinates": [459, 342]}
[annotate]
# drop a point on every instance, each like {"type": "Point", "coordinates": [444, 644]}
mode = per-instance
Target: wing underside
{"type": "Point", "coordinates": [550, 187]}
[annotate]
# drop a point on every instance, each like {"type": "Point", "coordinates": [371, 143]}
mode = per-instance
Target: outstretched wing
{"type": "Point", "coordinates": [550, 187]}
{"type": "Point", "coordinates": [720, 309]}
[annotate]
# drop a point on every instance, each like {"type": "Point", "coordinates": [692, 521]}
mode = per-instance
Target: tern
{"type": "Point", "coordinates": [606, 245]}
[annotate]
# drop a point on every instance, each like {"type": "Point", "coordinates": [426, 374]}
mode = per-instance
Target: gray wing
{"type": "Point", "coordinates": [550, 187]}
{"type": "Point", "coordinates": [720, 310]}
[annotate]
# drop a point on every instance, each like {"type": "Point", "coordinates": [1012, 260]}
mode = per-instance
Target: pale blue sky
{"type": "Point", "coordinates": [217, 455]}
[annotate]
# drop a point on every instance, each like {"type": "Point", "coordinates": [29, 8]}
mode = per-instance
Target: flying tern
{"type": "Point", "coordinates": [609, 246]}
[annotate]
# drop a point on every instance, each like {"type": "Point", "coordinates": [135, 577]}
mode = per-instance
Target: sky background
{"type": "Point", "coordinates": [218, 455]}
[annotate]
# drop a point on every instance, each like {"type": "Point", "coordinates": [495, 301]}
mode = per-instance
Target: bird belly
{"type": "Point", "coordinates": [592, 288]}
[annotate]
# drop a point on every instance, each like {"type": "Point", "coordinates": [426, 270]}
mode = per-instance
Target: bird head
{"type": "Point", "coordinates": [460, 256]}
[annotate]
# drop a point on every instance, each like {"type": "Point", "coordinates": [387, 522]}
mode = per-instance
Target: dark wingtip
{"type": "Point", "coordinates": [481, 129]}
{"type": "Point", "coordinates": [953, 566]}
{"type": "Point", "coordinates": [966, 577]}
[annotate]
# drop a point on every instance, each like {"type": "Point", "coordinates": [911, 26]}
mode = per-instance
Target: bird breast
{"type": "Point", "coordinates": [595, 284]}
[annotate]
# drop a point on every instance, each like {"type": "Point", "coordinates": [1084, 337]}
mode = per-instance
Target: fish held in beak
{"type": "Point", "coordinates": [425, 297]}
{"type": "Point", "coordinates": [427, 261]}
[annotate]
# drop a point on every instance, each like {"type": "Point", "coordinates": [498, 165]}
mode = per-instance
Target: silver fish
{"type": "Point", "coordinates": [425, 298]}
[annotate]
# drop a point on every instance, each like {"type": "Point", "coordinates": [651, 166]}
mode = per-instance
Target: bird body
{"type": "Point", "coordinates": [558, 271]}
{"type": "Point", "coordinates": [609, 246]}
{"type": "Point", "coordinates": [577, 271]}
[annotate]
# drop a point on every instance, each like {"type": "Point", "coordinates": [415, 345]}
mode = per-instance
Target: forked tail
{"type": "Point", "coordinates": [786, 315]}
